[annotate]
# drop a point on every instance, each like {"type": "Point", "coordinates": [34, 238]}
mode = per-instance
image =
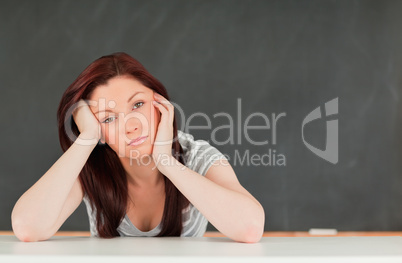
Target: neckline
{"type": "Point", "coordinates": [145, 232]}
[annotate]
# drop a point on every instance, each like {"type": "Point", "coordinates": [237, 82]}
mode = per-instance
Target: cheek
{"type": "Point", "coordinates": [104, 130]}
{"type": "Point", "coordinates": [108, 132]}
{"type": "Point", "coordinates": [156, 118]}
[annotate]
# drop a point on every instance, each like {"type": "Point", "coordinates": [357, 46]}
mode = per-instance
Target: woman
{"type": "Point", "coordinates": [137, 174]}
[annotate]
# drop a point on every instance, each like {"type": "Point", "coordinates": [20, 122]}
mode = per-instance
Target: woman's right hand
{"type": "Point", "coordinates": [87, 123]}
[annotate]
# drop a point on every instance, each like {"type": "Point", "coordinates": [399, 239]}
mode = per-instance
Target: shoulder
{"type": "Point", "coordinates": [199, 155]}
{"type": "Point", "coordinates": [192, 147]}
{"type": "Point", "coordinates": [187, 141]}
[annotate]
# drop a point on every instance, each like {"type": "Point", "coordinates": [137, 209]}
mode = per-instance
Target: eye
{"type": "Point", "coordinates": [108, 120]}
{"type": "Point", "coordinates": [111, 119]}
{"type": "Point", "coordinates": [142, 103]}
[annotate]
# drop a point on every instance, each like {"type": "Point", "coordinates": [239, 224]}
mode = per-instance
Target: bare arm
{"type": "Point", "coordinates": [220, 198]}
{"type": "Point", "coordinates": [44, 207]}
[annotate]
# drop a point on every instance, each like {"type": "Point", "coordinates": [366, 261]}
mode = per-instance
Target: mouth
{"type": "Point", "coordinates": [137, 141]}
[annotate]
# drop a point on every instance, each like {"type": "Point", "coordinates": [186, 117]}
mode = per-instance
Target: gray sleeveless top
{"type": "Point", "coordinates": [199, 156]}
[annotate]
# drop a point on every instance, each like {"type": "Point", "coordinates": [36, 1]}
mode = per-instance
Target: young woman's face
{"type": "Point", "coordinates": [125, 111]}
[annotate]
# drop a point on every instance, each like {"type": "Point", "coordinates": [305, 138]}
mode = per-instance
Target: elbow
{"type": "Point", "coordinates": [254, 231]}
{"type": "Point", "coordinates": [25, 232]}
{"type": "Point", "coordinates": [24, 236]}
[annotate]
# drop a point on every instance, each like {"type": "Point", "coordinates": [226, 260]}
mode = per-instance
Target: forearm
{"type": "Point", "coordinates": [40, 206]}
{"type": "Point", "coordinates": [234, 214]}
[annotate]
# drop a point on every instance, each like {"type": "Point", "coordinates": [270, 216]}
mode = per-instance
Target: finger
{"type": "Point", "coordinates": [162, 100]}
{"type": "Point", "coordinates": [166, 103]}
{"type": "Point", "coordinates": [169, 111]}
{"type": "Point", "coordinates": [81, 103]}
{"type": "Point", "coordinates": [161, 108]}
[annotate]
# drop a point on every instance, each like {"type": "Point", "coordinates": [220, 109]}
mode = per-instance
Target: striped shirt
{"type": "Point", "coordinates": [198, 156]}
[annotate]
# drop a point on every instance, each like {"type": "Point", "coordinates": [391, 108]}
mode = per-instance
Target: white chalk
{"type": "Point", "coordinates": [322, 231]}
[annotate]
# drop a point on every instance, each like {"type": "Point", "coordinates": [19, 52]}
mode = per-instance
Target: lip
{"type": "Point", "coordinates": [138, 140]}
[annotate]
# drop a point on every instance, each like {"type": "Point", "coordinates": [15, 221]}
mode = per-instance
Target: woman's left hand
{"type": "Point", "coordinates": [162, 149]}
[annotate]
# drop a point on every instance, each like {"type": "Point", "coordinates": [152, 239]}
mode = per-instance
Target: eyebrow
{"type": "Point", "coordinates": [129, 99]}
{"type": "Point", "coordinates": [132, 96]}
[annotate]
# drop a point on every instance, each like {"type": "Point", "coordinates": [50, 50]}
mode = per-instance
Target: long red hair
{"type": "Point", "coordinates": [103, 177]}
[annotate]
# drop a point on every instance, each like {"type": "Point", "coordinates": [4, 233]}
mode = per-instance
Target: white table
{"type": "Point", "coordinates": [60, 249]}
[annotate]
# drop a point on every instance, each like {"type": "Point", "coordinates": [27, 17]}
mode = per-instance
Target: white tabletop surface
{"type": "Point", "coordinates": [202, 249]}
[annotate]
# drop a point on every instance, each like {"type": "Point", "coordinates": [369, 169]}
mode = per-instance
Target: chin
{"type": "Point", "coordinates": [144, 152]}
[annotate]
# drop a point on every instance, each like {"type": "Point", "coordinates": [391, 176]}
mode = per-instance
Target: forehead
{"type": "Point", "coordinates": [118, 88]}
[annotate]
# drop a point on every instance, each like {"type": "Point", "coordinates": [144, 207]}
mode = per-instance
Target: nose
{"type": "Point", "coordinates": [135, 125]}
{"type": "Point", "coordinates": [131, 124]}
